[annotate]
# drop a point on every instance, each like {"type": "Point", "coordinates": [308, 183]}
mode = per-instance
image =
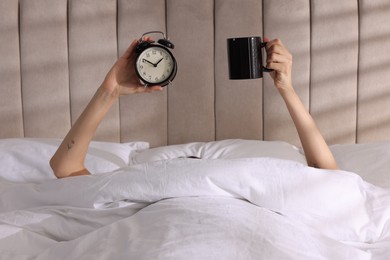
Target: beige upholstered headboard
{"type": "Point", "coordinates": [55, 53]}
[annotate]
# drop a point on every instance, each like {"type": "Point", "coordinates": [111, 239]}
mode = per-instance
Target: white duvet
{"type": "Point", "coordinates": [258, 208]}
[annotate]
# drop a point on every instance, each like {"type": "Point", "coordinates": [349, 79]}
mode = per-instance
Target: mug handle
{"type": "Point", "coordinates": [265, 69]}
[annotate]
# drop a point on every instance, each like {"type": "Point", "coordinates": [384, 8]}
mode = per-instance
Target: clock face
{"type": "Point", "coordinates": [155, 65]}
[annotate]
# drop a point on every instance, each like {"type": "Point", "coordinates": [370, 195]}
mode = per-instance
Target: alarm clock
{"type": "Point", "coordinates": [155, 63]}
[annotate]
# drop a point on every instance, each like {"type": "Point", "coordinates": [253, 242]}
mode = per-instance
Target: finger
{"type": "Point", "coordinates": [272, 74]}
{"type": "Point", "coordinates": [279, 58]}
{"type": "Point", "coordinates": [279, 67]}
{"type": "Point", "coordinates": [149, 39]}
{"type": "Point", "coordinates": [279, 54]}
{"type": "Point", "coordinates": [276, 46]}
{"type": "Point", "coordinates": [153, 89]}
{"type": "Point", "coordinates": [278, 49]}
{"type": "Point", "coordinates": [273, 42]}
{"type": "Point", "coordinates": [142, 89]}
{"type": "Point", "coordinates": [156, 88]}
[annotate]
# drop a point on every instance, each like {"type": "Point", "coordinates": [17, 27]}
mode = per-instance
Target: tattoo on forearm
{"type": "Point", "coordinates": [70, 144]}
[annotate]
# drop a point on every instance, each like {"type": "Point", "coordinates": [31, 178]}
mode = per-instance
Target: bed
{"type": "Point", "coordinates": [243, 199]}
{"type": "Point", "coordinates": [209, 168]}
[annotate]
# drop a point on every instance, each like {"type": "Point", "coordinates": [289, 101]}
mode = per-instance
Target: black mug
{"type": "Point", "coordinates": [245, 58]}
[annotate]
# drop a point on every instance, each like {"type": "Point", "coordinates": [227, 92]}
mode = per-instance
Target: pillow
{"type": "Point", "coordinates": [27, 159]}
{"type": "Point", "coordinates": [371, 161]}
{"type": "Point", "coordinates": [232, 148]}
{"type": "Point", "coordinates": [168, 152]}
{"type": "Point", "coordinates": [238, 148]}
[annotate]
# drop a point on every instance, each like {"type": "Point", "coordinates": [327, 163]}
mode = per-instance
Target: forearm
{"type": "Point", "coordinates": [120, 80]}
{"type": "Point", "coordinates": [316, 150]}
{"type": "Point", "coordinates": [70, 156]}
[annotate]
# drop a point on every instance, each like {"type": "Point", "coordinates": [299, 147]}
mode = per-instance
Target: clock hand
{"type": "Point", "coordinates": [154, 65]}
{"type": "Point", "coordinates": [159, 61]}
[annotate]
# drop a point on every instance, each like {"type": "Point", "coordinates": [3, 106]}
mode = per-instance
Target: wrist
{"type": "Point", "coordinates": [286, 90]}
{"type": "Point", "coordinates": [109, 91]}
{"type": "Point", "coordinates": [110, 84]}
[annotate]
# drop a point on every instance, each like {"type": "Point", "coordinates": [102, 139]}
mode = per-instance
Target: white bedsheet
{"type": "Point", "coordinates": [258, 208]}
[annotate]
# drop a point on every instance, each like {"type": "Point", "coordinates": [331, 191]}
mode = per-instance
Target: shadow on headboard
{"type": "Point", "coordinates": [55, 53]}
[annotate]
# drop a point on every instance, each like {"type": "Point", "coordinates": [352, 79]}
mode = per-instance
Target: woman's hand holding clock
{"type": "Point", "coordinates": [122, 79]}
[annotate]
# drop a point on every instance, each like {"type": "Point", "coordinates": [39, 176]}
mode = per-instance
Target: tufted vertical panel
{"type": "Point", "coordinates": [11, 116]}
{"type": "Point", "coordinates": [238, 103]}
{"type": "Point", "coordinates": [289, 21]}
{"type": "Point", "coordinates": [92, 52]}
{"type": "Point", "coordinates": [374, 71]}
{"type": "Point", "coordinates": [143, 117]}
{"type": "Point", "coordinates": [334, 68]}
{"type": "Point", "coordinates": [191, 99]}
{"type": "Point", "coordinates": [44, 67]}
{"type": "Point", "coordinates": [51, 65]}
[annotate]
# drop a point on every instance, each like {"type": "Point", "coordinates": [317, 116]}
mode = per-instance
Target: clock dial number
{"type": "Point", "coordinates": [154, 65]}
